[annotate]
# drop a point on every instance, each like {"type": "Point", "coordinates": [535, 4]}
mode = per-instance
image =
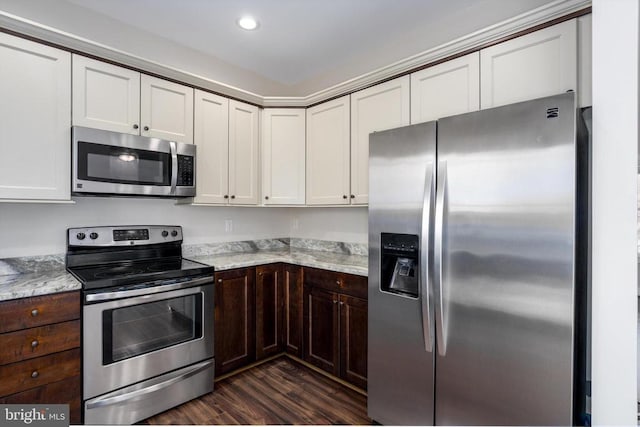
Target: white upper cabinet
{"type": "Point", "coordinates": [283, 156]}
{"type": "Point", "coordinates": [243, 153]}
{"type": "Point", "coordinates": [584, 61]}
{"type": "Point", "coordinates": [538, 64]}
{"type": "Point", "coordinates": [380, 107]}
{"type": "Point", "coordinates": [446, 89]}
{"type": "Point", "coordinates": [166, 110]}
{"type": "Point", "coordinates": [114, 98]}
{"type": "Point", "coordinates": [328, 153]}
{"type": "Point", "coordinates": [211, 136]}
{"type": "Point", "coordinates": [35, 121]}
{"type": "Point", "coordinates": [105, 96]}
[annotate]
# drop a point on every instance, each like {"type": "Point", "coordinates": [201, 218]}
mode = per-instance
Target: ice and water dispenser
{"type": "Point", "coordinates": [400, 254]}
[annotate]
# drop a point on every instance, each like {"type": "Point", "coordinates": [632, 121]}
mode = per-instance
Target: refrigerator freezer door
{"type": "Point", "coordinates": [401, 358]}
{"type": "Point", "coordinates": [507, 265]}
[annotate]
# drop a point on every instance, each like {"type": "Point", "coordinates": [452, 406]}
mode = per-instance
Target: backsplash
{"type": "Point", "coordinates": [207, 249]}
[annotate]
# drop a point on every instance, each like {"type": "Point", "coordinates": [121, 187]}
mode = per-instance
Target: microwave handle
{"type": "Point", "coordinates": [174, 167]}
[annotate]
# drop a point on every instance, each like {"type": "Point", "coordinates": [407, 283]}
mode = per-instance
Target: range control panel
{"type": "Point", "coordinates": [124, 235]}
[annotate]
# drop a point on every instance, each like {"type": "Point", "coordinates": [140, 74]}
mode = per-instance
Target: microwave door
{"type": "Point", "coordinates": [113, 163]}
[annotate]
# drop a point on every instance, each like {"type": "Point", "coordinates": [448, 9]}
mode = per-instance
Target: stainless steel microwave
{"type": "Point", "coordinates": [112, 163]}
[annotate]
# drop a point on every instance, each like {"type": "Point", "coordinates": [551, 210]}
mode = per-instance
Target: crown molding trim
{"type": "Point", "coordinates": [80, 45]}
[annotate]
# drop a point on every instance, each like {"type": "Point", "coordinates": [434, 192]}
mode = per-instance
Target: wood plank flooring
{"type": "Point", "coordinates": [281, 391]}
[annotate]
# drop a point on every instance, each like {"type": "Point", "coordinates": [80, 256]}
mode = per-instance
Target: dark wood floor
{"type": "Point", "coordinates": [281, 391]}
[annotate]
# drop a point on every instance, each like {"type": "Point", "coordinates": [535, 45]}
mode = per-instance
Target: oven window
{"type": "Point", "coordinates": [106, 163]}
{"type": "Point", "coordinates": [139, 329]}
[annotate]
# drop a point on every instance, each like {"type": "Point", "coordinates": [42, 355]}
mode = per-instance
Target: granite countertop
{"type": "Point", "coordinates": [41, 275]}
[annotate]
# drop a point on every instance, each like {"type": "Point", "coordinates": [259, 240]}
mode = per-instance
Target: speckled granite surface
{"type": "Point", "coordinates": [40, 275]}
{"type": "Point", "coordinates": [31, 276]}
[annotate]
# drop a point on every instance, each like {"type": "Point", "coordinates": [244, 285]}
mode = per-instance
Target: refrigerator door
{"type": "Point", "coordinates": [504, 251]}
{"type": "Point", "coordinates": [401, 341]}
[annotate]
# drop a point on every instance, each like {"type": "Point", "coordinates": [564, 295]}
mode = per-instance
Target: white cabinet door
{"type": "Point", "coordinates": [381, 107]}
{"type": "Point", "coordinates": [328, 153]}
{"type": "Point", "coordinates": [446, 89]}
{"type": "Point", "coordinates": [584, 61]}
{"type": "Point", "coordinates": [105, 96]}
{"type": "Point", "coordinates": [538, 64]}
{"type": "Point", "coordinates": [211, 134]}
{"type": "Point", "coordinates": [283, 156]}
{"type": "Point", "coordinates": [243, 153]}
{"type": "Point", "coordinates": [35, 120]}
{"type": "Point", "coordinates": [166, 110]}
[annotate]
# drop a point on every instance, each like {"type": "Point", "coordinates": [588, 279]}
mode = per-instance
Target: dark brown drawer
{"type": "Point", "coordinates": [344, 283]}
{"type": "Point", "coordinates": [36, 342]}
{"type": "Point", "coordinates": [28, 374]}
{"type": "Point", "coordinates": [37, 311]}
{"type": "Point", "coordinates": [61, 392]}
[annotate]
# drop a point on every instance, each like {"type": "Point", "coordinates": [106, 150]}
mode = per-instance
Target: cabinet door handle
{"type": "Point", "coordinates": [344, 196]}
{"type": "Point", "coordinates": [266, 197]}
{"type": "Point", "coordinates": [34, 312]}
{"type": "Point", "coordinates": [146, 128]}
{"type": "Point", "coordinates": [34, 343]}
{"type": "Point", "coordinates": [34, 374]}
{"type": "Point", "coordinates": [219, 280]}
{"type": "Point", "coordinates": [341, 302]}
{"type": "Point", "coordinates": [233, 196]}
{"type": "Point", "coordinates": [335, 301]}
{"type": "Point", "coordinates": [226, 196]}
{"type": "Point", "coordinates": [353, 196]}
{"type": "Point", "coordinates": [136, 126]}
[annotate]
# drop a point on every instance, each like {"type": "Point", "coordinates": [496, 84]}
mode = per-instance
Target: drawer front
{"type": "Point", "coordinates": [37, 311]}
{"type": "Point", "coordinates": [61, 392]}
{"type": "Point", "coordinates": [28, 374]}
{"type": "Point", "coordinates": [344, 283]}
{"type": "Point", "coordinates": [36, 342]}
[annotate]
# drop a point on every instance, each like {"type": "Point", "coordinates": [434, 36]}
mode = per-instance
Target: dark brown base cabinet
{"type": "Point", "coordinates": [335, 324]}
{"type": "Point", "coordinates": [234, 321]}
{"type": "Point", "coordinates": [40, 351]}
{"type": "Point", "coordinates": [317, 315]}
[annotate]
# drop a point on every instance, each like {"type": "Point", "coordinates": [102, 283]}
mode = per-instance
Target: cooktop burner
{"type": "Point", "coordinates": [104, 257]}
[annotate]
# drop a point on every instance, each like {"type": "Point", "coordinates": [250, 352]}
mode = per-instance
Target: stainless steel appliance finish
{"type": "Point", "coordinates": [400, 356]}
{"type": "Point", "coordinates": [142, 400]}
{"type": "Point", "coordinates": [503, 287]}
{"type": "Point", "coordinates": [105, 162]}
{"type": "Point", "coordinates": [147, 316]}
{"type": "Point", "coordinates": [101, 376]}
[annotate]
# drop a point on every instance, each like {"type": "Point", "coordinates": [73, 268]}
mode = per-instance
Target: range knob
{"type": "Point", "coordinates": [80, 236]}
{"type": "Point", "coordinates": [93, 236]}
{"type": "Point", "coordinates": [165, 233]}
{"type": "Point", "coordinates": [174, 233]}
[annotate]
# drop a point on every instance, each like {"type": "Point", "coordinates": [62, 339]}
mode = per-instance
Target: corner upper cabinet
{"type": "Point", "coordinates": [211, 136]}
{"type": "Point", "coordinates": [118, 99]}
{"type": "Point", "coordinates": [283, 156]}
{"type": "Point", "coordinates": [383, 106]}
{"type": "Point", "coordinates": [105, 96]}
{"type": "Point", "coordinates": [538, 64]}
{"type": "Point", "coordinates": [166, 110]}
{"type": "Point", "coordinates": [446, 89]}
{"type": "Point", "coordinates": [328, 153]}
{"type": "Point", "coordinates": [35, 118]}
{"type": "Point", "coordinates": [243, 153]}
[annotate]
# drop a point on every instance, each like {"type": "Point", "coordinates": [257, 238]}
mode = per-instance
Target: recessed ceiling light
{"type": "Point", "coordinates": [248, 23]}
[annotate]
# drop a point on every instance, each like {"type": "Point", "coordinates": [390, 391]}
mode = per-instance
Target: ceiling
{"type": "Point", "coordinates": [301, 46]}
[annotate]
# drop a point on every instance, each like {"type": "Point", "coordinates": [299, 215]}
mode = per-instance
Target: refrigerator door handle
{"type": "Point", "coordinates": [441, 327]}
{"type": "Point", "coordinates": [425, 244]}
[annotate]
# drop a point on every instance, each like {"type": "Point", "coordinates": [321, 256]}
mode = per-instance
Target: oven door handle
{"type": "Point", "coordinates": [140, 394]}
{"type": "Point", "coordinates": [106, 296]}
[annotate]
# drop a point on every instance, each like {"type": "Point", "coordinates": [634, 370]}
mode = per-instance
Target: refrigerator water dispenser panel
{"type": "Point", "coordinates": [400, 264]}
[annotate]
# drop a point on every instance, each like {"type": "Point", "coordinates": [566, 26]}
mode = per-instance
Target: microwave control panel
{"type": "Point", "coordinates": [185, 171]}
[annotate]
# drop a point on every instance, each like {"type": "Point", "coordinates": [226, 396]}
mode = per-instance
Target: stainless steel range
{"type": "Point", "coordinates": [147, 321]}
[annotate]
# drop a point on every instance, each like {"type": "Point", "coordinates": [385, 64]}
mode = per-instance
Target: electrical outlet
{"type": "Point", "coordinates": [228, 225]}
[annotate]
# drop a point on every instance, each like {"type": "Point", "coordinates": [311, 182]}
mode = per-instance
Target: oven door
{"type": "Point", "coordinates": [129, 340]}
{"type": "Point", "coordinates": [115, 163]}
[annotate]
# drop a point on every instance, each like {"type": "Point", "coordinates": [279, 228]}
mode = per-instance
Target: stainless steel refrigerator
{"type": "Point", "coordinates": [477, 268]}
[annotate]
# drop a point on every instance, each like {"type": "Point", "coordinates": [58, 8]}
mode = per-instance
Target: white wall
{"type": "Point", "coordinates": [39, 229]}
{"type": "Point", "coordinates": [614, 196]}
{"type": "Point", "coordinates": [338, 224]}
